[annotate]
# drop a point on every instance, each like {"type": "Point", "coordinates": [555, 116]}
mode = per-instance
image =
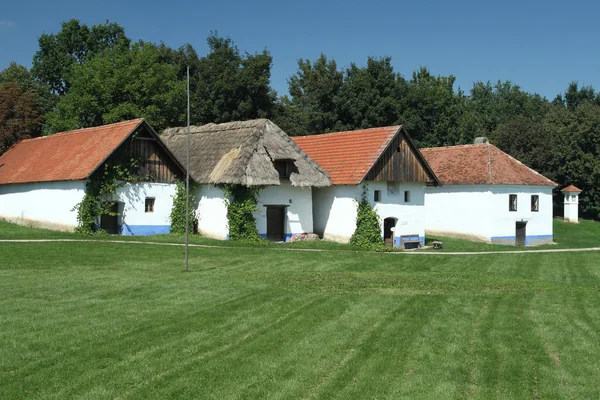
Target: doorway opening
{"type": "Point", "coordinates": [521, 233]}
{"type": "Point", "coordinates": [388, 230]}
{"type": "Point", "coordinates": [110, 222]}
{"type": "Point", "coordinates": [276, 223]}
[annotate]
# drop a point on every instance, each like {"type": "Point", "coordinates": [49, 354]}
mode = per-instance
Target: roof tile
{"type": "Point", "coordinates": [480, 164]}
{"type": "Point", "coordinates": [66, 156]}
{"type": "Point", "coordinates": [347, 156]}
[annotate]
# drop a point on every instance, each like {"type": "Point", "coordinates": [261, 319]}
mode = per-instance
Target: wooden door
{"type": "Point", "coordinates": [521, 233]}
{"type": "Point", "coordinates": [275, 223]}
{"type": "Point", "coordinates": [110, 223]}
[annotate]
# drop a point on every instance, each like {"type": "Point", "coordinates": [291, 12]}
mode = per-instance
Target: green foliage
{"type": "Point", "coordinates": [101, 192]}
{"type": "Point", "coordinates": [119, 84]}
{"type": "Point", "coordinates": [241, 203]}
{"type": "Point", "coordinates": [177, 216]}
{"type": "Point", "coordinates": [20, 115]}
{"type": "Point", "coordinates": [228, 86]}
{"type": "Point", "coordinates": [368, 226]}
{"type": "Point", "coordinates": [73, 44]}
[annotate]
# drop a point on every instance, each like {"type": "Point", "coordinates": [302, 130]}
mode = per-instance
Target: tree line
{"type": "Point", "coordinates": [87, 76]}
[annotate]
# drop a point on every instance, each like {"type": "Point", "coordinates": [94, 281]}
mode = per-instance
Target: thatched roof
{"type": "Point", "coordinates": [242, 153]}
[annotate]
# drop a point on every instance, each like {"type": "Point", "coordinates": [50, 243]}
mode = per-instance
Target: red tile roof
{"type": "Point", "coordinates": [67, 156]}
{"type": "Point", "coordinates": [347, 156]}
{"type": "Point", "coordinates": [480, 164]}
{"type": "Point", "coordinates": [571, 189]}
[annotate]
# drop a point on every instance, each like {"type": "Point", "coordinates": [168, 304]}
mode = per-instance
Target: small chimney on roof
{"type": "Point", "coordinates": [482, 140]}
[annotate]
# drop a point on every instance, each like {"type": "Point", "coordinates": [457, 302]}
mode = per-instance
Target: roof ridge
{"type": "Point", "coordinates": [397, 127]}
{"type": "Point", "coordinates": [458, 146]}
{"type": "Point", "coordinates": [75, 131]}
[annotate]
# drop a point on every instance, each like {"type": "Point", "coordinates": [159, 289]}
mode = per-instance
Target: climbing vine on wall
{"type": "Point", "coordinates": [368, 227]}
{"type": "Point", "coordinates": [241, 202]}
{"type": "Point", "coordinates": [178, 211]}
{"type": "Point", "coordinates": [101, 193]}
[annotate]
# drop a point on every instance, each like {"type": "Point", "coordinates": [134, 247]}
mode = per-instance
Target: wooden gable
{"type": "Point", "coordinates": [401, 161]}
{"type": "Point", "coordinates": [156, 163]}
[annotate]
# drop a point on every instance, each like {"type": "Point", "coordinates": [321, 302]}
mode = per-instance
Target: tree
{"type": "Point", "coordinates": [371, 96]}
{"type": "Point", "coordinates": [229, 86]}
{"type": "Point", "coordinates": [314, 91]}
{"type": "Point", "coordinates": [19, 74]}
{"type": "Point", "coordinates": [575, 96]}
{"type": "Point", "coordinates": [59, 53]}
{"type": "Point", "coordinates": [432, 109]}
{"type": "Point", "coordinates": [118, 84]}
{"type": "Point", "coordinates": [20, 116]}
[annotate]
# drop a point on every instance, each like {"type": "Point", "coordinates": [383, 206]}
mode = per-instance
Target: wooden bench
{"type": "Point", "coordinates": [437, 245]}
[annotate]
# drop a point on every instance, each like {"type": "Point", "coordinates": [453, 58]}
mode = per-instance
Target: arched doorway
{"type": "Point", "coordinates": [388, 232]}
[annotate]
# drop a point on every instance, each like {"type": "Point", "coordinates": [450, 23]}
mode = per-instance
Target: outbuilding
{"type": "Point", "coordinates": [42, 180]}
{"type": "Point", "coordinates": [255, 153]}
{"type": "Point", "coordinates": [388, 165]}
{"type": "Point", "coordinates": [487, 195]}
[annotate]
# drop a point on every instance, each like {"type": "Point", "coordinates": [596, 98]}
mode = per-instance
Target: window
{"type": "Point", "coordinates": [283, 167]}
{"type": "Point", "coordinates": [512, 202]}
{"type": "Point", "coordinates": [377, 195]}
{"type": "Point", "coordinates": [406, 196]}
{"type": "Point", "coordinates": [535, 202]}
{"type": "Point", "coordinates": [149, 205]}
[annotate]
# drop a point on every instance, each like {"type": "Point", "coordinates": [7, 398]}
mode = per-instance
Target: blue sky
{"type": "Point", "coordinates": [539, 45]}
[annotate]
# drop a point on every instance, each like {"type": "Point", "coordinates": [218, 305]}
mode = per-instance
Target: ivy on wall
{"type": "Point", "coordinates": [178, 211]}
{"type": "Point", "coordinates": [368, 226]}
{"type": "Point", "coordinates": [241, 202]}
{"type": "Point", "coordinates": [101, 194]}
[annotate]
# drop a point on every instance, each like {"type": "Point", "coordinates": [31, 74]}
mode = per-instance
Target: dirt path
{"type": "Point", "coordinates": [421, 253]}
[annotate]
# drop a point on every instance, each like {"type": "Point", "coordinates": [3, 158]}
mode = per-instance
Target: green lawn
{"type": "Point", "coordinates": [111, 320]}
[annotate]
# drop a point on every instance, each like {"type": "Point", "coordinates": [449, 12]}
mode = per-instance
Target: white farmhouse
{"type": "Point", "coordinates": [387, 163]}
{"type": "Point", "coordinates": [487, 195]}
{"type": "Point", "coordinates": [249, 153]}
{"type": "Point", "coordinates": [43, 179]}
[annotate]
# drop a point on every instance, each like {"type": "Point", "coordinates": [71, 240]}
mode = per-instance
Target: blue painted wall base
{"type": "Point", "coordinates": [398, 243]}
{"type": "Point", "coordinates": [530, 240]}
{"type": "Point", "coordinates": [144, 230]}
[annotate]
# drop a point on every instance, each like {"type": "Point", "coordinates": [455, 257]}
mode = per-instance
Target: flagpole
{"type": "Point", "coordinates": [187, 176]}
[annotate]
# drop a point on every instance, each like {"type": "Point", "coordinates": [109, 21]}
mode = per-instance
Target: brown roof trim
{"type": "Point", "coordinates": [571, 189]}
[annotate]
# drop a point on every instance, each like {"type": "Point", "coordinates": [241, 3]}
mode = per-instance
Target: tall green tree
{"type": "Point", "coordinates": [20, 75]}
{"type": "Point", "coordinates": [20, 115]}
{"type": "Point", "coordinates": [230, 86]}
{"type": "Point", "coordinates": [72, 45]}
{"type": "Point", "coordinates": [432, 109]}
{"type": "Point", "coordinates": [371, 96]}
{"type": "Point", "coordinates": [312, 105]}
{"type": "Point", "coordinates": [118, 84]}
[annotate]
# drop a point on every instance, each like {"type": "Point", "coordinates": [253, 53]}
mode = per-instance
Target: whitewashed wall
{"type": "Point", "coordinates": [334, 209]}
{"type": "Point", "coordinates": [134, 219]}
{"type": "Point", "coordinates": [44, 205]}
{"type": "Point", "coordinates": [211, 212]}
{"type": "Point", "coordinates": [482, 212]}
{"type": "Point", "coordinates": [298, 202]}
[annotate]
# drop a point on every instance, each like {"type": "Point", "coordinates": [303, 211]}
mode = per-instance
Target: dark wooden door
{"type": "Point", "coordinates": [110, 223]}
{"type": "Point", "coordinates": [275, 223]}
{"type": "Point", "coordinates": [521, 234]}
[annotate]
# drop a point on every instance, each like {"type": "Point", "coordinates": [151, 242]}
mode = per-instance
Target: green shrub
{"type": "Point", "coordinates": [241, 203]}
{"type": "Point", "coordinates": [368, 227]}
{"type": "Point", "coordinates": [177, 216]}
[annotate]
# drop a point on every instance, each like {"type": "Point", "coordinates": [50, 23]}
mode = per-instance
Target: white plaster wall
{"type": "Point", "coordinates": [211, 212]}
{"type": "Point", "coordinates": [46, 204]}
{"type": "Point", "coordinates": [503, 221]}
{"type": "Point", "coordinates": [334, 209]}
{"type": "Point", "coordinates": [571, 207]}
{"type": "Point", "coordinates": [134, 218]}
{"type": "Point", "coordinates": [459, 210]}
{"type": "Point", "coordinates": [299, 208]}
{"type": "Point", "coordinates": [482, 211]}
